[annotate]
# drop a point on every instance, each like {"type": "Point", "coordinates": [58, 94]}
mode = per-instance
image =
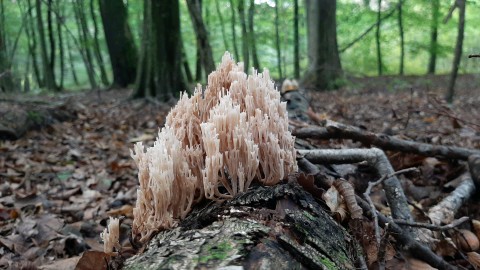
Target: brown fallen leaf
{"type": "Point", "coordinates": [93, 260]}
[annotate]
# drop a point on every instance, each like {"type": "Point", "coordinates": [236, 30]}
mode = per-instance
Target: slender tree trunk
{"type": "Point", "coordinates": [48, 74]}
{"type": "Point", "coordinates": [121, 47]}
{"type": "Point", "coordinates": [198, 63]}
{"type": "Point", "coordinates": [402, 43]}
{"type": "Point", "coordinates": [222, 25]}
{"type": "Point", "coordinates": [461, 5]}
{"type": "Point", "coordinates": [32, 44]}
{"type": "Point", "coordinates": [252, 39]}
{"type": "Point", "coordinates": [296, 41]}
{"type": "Point", "coordinates": [6, 78]}
{"type": "Point", "coordinates": [202, 36]}
{"type": "Point", "coordinates": [72, 63]}
{"type": "Point", "coordinates": [51, 39]}
{"type": "Point", "coordinates": [59, 18]}
{"type": "Point", "coordinates": [84, 38]}
{"type": "Point", "coordinates": [245, 51]}
{"type": "Point", "coordinates": [234, 32]}
{"type": "Point", "coordinates": [377, 38]}
{"type": "Point", "coordinates": [277, 42]}
{"type": "Point", "coordinates": [432, 62]}
{"type": "Point", "coordinates": [96, 45]}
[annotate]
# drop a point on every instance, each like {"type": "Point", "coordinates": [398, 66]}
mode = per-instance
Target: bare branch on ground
{"type": "Point", "coordinates": [433, 227]}
{"type": "Point", "coordinates": [404, 240]}
{"type": "Point", "coordinates": [334, 130]}
{"type": "Point", "coordinates": [375, 158]}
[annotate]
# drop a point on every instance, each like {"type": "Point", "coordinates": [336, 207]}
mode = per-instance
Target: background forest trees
{"type": "Point", "coordinates": [48, 44]}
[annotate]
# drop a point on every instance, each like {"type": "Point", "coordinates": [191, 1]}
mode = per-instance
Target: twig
{"type": "Point", "coordinates": [382, 249]}
{"type": "Point", "coordinates": [473, 55]}
{"type": "Point", "coordinates": [405, 240]}
{"type": "Point", "coordinates": [366, 195]}
{"type": "Point", "coordinates": [433, 227]}
{"type": "Point", "coordinates": [334, 130]}
{"type": "Point", "coordinates": [375, 158]}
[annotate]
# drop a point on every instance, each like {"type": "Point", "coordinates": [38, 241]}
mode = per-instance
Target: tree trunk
{"type": "Point", "coordinates": [402, 43]}
{"type": "Point", "coordinates": [279, 227]}
{"type": "Point", "coordinates": [96, 45]}
{"type": "Point", "coordinates": [48, 75]}
{"type": "Point", "coordinates": [277, 42]}
{"type": "Point", "coordinates": [245, 51]}
{"type": "Point", "coordinates": [72, 63]}
{"type": "Point", "coordinates": [252, 39]}
{"type": "Point", "coordinates": [160, 73]}
{"type": "Point", "coordinates": [51, 39]}
{"type": "Point", "coordinates": [206, 54]}
{"type": "Point", "coordinates": [84, 40]}
{"type": "Point", "coordinates": [60, 14]}
{"type": "Point", "coordinates": [458, 49]}
{"type": "Point", "coordinates": [432, 62]}
{"type": "Point", "coordinates": [32, 44]}
{"type": "Point", "coordinates": [222, 25]}
{"type": "Point", "coordinates": [120, 44]}
{"type": "Point", "coordinates": [296, 41]}
{"type": "Point", "coordinates": [198, 62]}
{"type": "Point", "coordinates": [234, 32]}
{"type": "Point", "coordinates": [6, 78]}
{"type": "Point", "coordinates": [325, 70]}
{"type": "Point", "coordinates": [377, 38]}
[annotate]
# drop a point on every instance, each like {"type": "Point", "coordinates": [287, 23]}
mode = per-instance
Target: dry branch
{"type": "Point", "coordinates": [375, 158]}
{"type": "Point", "coordinates": [334, 130]}
{"type": "Point", "coordinates": [432, 227]}
{"type": "Point", "coordinates": [405, 240]}
{"type": "Point", "coordinates": [444, 211]}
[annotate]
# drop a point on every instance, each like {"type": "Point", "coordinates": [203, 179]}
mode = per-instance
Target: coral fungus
{"type": "Point", "coordinates": [213, 145]}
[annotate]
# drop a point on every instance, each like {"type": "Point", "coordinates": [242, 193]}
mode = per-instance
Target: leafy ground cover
{"type": "Point", "coordinates": [59, 184]}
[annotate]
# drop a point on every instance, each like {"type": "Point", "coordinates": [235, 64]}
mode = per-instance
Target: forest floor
{"type": "Point", "coordinates": [60, 183]}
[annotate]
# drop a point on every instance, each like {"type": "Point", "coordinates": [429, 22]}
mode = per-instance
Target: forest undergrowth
{"type": "Point", "coordinates": [60, 183]}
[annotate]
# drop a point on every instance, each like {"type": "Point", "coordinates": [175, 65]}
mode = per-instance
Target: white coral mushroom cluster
{"type": "Point", "coordinates": [111, 236]}
{"type": "Point", "coordinates": [213, 145]}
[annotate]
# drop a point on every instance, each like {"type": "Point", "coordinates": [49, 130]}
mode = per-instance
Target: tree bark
{"type": "Point", "coordinates": [458, 50]}
{"type": "Point", "coordinates": [120, 44]}
{"type": "Point", "coordinates": [259, 229]}
{"type": "Point", "coordinates": [160, 73]}
{"type": "Point", "coordinates": [432, 62]}
{"type": "Point", "coordinates": [402, 42]}
{"type": "Point", "coordinates": [245, 51]}
{"type": "Point", "coordinates": [296, 41]}
{"type": "Point", "coordinates": [277, 42]}
{"type": "Point", "coordinates": [201, 32]}
{"type": "Point", "coordinates": [251, 34]}
{"type": "Point", "coordinates": [325, 70]}
{"type": "Point", "coordinates": [377, 39]}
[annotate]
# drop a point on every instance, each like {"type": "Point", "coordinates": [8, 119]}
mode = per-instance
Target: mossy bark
{"type": "Point", "coordinates": [280, 227]}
